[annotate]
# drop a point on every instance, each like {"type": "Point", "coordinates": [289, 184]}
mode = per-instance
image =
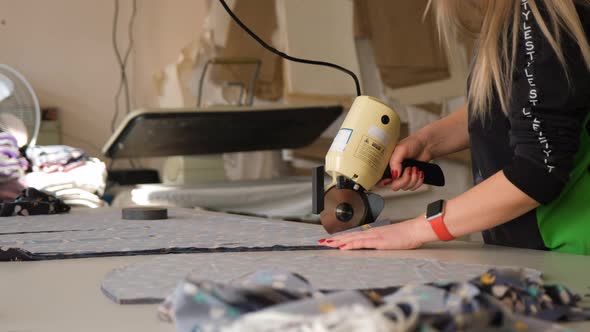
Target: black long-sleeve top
{"type": "Point", "coordinates": [535, 143]}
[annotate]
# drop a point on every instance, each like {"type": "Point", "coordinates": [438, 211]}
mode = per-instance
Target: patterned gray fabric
{"type": "Point", "coordinates": [103, 232]}
{"type": "Point", "coordinates": [275, 300]}
{"type": "Point", "coordinates": [151, 281]}
{"type": "Point", "coordinates": [209, 304]}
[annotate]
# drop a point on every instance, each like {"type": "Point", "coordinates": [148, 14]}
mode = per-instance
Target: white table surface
{"type": "Point", "coordinates": [65, 295]}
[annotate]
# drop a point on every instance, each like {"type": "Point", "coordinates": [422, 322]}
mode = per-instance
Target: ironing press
{"type": "Point", "coordinates": [359, 158]}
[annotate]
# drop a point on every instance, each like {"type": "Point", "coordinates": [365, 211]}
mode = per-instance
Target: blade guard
{"type": "Point", "coordinates": [317, 183]}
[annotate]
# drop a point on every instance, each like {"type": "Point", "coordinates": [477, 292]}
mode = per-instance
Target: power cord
{"type": "Point", "coordinates": [122, 60]}
{"type": "Point", "coordinates": [286, 56]}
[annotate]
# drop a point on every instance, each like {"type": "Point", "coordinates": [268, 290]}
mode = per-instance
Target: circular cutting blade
{"type": "Point", "coordinates": [343, 209]}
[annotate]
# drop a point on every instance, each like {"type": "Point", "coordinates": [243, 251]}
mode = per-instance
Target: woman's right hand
{"type": "Point", "coordinates": [447, 135]}
{"type": "Point", "coordinates": [411, 178]}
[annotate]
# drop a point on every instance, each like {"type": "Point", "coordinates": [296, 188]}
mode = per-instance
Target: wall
{"type": "Point", "coordinates": [454, 86]}
{"type": "Point", "coordinates": [64, 48]}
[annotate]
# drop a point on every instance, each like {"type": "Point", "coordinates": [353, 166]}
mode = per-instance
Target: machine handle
{"type": "Point", "coordinates": [433, 174]}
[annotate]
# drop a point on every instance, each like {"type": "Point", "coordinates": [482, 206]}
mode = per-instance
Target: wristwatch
{"type": "Point", "coordinates": [435, 213]}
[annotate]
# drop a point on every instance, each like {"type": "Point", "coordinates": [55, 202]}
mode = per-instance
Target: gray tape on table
{"type": "Point", "coordinates": [153, 280]}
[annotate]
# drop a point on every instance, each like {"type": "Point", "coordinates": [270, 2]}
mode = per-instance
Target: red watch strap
{"type": "Point", "coordinates": [441, 229]}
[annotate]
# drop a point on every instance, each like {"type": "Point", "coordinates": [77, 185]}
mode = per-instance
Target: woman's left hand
{"type": "Point", "coordinates": [404, 235]}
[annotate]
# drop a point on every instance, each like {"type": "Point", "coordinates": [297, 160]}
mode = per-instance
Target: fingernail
{"type": "Point", "coordinates": [341, 246]}
{"type": "Point", "coordinates": [329, 241]}
{"type": "Point", "coordinates": [387, 182]}
{"type": "Point", "coordinates": [416, 170]}
{"type": "Point", "coordinates": [421, 174]}
{"type": "Point", "coordinates": [321, 240]}
{"type": "Point", "coordinates": [394, 174]}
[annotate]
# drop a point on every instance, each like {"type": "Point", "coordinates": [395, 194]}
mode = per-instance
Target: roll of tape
{"type": "Point", "coordinates": [145, 213]}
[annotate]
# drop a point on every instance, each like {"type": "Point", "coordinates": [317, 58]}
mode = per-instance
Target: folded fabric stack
{"type": "Point", "coordinates": [274, 300]}
{"type": "Point", "coordinates": [12, 168]}
{"type": "Point", "coordinates": [55, 158]}
{"type": "Point", "coordinates": [68, 173]}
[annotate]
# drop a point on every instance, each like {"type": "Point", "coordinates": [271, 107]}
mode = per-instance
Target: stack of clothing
{"type": "Point", "coordinates": [275, 300]}
{"type": "Point", "coordinates": [15, 198]}
{"type": "Point", "coordinates": [12, 168]}
{"type": "Point", "coordinates": [68, 173]}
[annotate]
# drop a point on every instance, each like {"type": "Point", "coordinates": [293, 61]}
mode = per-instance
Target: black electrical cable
{"type": "Point", "coordinates": [118, 56]}
{"type": "Point", "coordinates": [128, 53]}
{"type": "Point", "coordinates": [286, 56]}
{"type": "Point", "coordinates": [124, 77]}
{"type": "Point", "coordinates": [122, 61]}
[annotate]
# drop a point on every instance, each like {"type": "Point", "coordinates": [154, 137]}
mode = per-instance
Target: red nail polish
{"type": "Point", "coordinates": [341, 246]}
{"type": "Point", "coordinates": [394, 174]}
{"type": "Point", "coordinates": [421, 174]}
{"type": "Point", "coordinates": [387, 182]}
{"type": "Point", "coordinates": [416, 170]}
{"type": "Point", "coordinates": [329, 241]}
{"type": "Point", "coordinates": [321, 240]}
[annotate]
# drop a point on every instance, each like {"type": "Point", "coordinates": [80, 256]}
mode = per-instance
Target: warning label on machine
{"type": "Point", "coordinates": [370, 151]}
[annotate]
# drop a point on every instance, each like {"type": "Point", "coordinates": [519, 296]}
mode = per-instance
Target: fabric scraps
{"type": "Point", "coordinates": [276, 300]}
{"type": "Point", "coordinates": [207, 305]}
{"type": "Point", "coordinates": [530, 297]}
{"type": "Point", "coordinates": [103, 232]}
{"type": "Point", "coordinates": [12, 167]}
{"type": "Point", "coordinates": [33, 202]}
{"type": "Point", "coordinates": [340, 311]}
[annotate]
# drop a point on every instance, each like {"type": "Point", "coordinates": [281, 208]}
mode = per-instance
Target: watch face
{"type": "Point", "coordinates": [434, 208]}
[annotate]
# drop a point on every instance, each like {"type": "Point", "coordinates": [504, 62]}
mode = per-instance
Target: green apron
{"type": "Point", "coordinates": [565, 223]}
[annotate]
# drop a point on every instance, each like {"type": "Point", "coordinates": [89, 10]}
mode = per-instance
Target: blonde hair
{"type": "Point", "coordinates": [493, 67]}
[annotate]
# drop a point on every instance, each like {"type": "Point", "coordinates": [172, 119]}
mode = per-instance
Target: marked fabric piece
{"type": "Point", "coordinates": [103, 232]}
{"type": "Point", "coordinates": [151, 281]}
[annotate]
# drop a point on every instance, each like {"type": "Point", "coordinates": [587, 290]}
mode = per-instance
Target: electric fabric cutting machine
{"type": "Point", "coordinates": [359, 158]}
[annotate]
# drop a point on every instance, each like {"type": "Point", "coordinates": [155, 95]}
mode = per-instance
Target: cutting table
{"type": "Point", "coordinates": [65, 295]}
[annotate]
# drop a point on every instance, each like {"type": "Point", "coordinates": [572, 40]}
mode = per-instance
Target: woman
{"type": "Point", "coordinates": [526, 124]}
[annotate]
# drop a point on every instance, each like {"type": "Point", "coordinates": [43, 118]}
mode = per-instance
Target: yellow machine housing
{"type": "Point", "coordinates": [363, 146]}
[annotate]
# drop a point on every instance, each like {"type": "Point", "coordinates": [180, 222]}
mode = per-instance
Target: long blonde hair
{"type": "Point", "coordinates": [493, 67]}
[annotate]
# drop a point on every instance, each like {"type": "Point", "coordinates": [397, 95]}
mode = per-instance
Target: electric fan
{"type": "Point", "coordinates": [20, 114]}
